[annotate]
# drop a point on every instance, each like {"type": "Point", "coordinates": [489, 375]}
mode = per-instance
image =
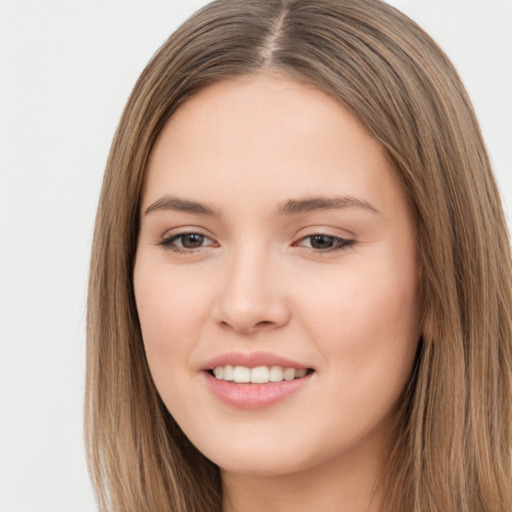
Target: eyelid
{"type": "Point", "coordinates": [327, 230]}
{"type": "Point", "coordinates": [167, 239]}
{"type": "Point", "coordinates": [185, 230]}
{"type": "Point", "coordinates": [340, 242]}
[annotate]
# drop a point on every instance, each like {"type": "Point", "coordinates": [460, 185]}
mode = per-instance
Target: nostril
{"type": "Point", "coordinates": [264, 322]}
{"type": "Point", "coordinates": [247, 327]}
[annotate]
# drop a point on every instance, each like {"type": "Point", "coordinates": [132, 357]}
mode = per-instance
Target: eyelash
{"type": "Point", "coordinates": [340, 244]}
{"type": "Point", "coordinates": [167, 243]}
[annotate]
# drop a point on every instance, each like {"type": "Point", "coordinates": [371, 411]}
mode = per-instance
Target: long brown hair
{"type": "Point", "coordinates": [453, 443]}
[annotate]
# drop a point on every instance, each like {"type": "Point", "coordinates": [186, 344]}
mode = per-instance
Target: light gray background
{"type": "Point", "coordinates": [66, 69]}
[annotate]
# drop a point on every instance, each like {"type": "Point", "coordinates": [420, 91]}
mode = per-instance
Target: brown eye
{"type": "Point", "coordinates": [186, 242]}
{"type": "Point", "coordinates": [322, 242]}
{"type": "Point", "coordinates": [191, 240]}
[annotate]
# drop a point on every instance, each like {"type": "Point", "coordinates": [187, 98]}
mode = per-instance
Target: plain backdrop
{"type": "Point", "coordinates": [66, 70]}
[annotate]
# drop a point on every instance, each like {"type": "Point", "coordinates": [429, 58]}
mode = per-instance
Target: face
{"type": "Point", "coordinates": [276, 247]}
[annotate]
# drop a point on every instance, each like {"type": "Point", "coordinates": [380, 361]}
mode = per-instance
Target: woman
{"type": "Point", "coordinates": [300, 283]}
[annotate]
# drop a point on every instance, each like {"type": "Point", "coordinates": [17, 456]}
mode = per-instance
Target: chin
{"type": "Point", "coordinates": [274, 466]}
{"type": "Point", "coordinates": [265, 457]}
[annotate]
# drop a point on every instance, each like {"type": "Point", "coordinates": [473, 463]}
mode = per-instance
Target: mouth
{"type": "Point", "coordinates": [257, 379]}
{"type": "Point", "coordinates": [256, 387]}
{"type": "Point", "coordinates": [259, 374]}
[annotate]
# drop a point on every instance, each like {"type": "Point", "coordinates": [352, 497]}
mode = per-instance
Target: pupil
{"type": "Point", "coordinates": [192, 241]}
{"type": "Point", "coordinates": [321, 242]}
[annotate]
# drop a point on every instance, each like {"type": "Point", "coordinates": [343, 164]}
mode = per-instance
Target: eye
{"type": "Point", "coordinates": [325, 243]}
{"type": "Point", "coordinates": [186, 242]}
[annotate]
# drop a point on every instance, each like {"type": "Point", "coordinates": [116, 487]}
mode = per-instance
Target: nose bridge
{"type": "Point", "coordinates": [252, 296]}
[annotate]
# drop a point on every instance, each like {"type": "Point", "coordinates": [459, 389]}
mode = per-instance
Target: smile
{"type": "Point", "coordinates": [256, 379]}
{"type": "Point", "coordinates": [259, 374]}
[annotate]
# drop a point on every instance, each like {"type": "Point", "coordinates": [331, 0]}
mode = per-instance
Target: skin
{"type": "Point", "coordinates": [258, 281]}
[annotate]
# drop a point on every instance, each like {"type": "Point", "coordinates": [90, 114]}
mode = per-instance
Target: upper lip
{"type": "Point", "coordinates": [252, 360]}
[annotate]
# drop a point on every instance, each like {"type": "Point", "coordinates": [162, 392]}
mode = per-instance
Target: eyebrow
{"type": "Point", "coordinates": [298, 206]}
{"type": "Point", "coordinates": [288, 207]}
{"type": "Point", "coordinates": [181, 205]}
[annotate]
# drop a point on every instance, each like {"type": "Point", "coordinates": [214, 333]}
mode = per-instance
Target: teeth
{"type": "Point", "coordinates": [242, 374]}
{"type": "Point", "coordinates": [289, 374]}
{"type": "Point", "coordinates": [276, 374]}
{"type": "Point", "coordinates": [228, 372]}
{"type": "Point", "coordinates": [300, 373]}
{"type": "Point", "coordinates": [258, 375]}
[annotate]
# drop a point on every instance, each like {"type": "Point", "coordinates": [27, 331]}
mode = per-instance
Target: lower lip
{"type": "Point", "coordinates": [254, 396]}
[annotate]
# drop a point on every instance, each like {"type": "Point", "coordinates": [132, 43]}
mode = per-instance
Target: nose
{"type": "Point", "coordinates": [252, 298]}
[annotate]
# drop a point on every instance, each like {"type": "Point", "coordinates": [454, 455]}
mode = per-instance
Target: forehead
{"type": "Point", "coordinates": [266, 136]}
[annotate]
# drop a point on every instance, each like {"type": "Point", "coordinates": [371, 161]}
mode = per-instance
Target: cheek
{"type": "Point", "coordinates": [367, 326]}
{"type": "Point", "coordinates": [361, 301]}
{"type": "Point", "coordinates": [171, 307]}
{"type": "Point", "coordinates": [367, 332]}
{"type": "Point", "coordinates": [382, 309]}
